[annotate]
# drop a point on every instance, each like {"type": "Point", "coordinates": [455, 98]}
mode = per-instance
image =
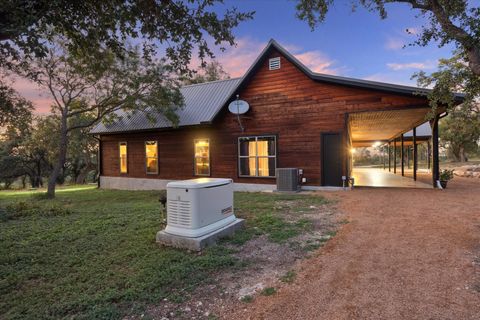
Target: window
{"type": "Point", "coordinates": [257, 156]}
{"type": "Point", "coordinates": [202, 157]}
{"type": "Point", "coordinates": [122, 146]}
{"type": "Point", "coordinates": [151, 157]}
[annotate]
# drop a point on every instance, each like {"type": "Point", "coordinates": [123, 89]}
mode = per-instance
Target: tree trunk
{"type": "Point", "coordinates": [62, 155]}
{"type": "Point", "coordinates": [462, 155]}
{"type": "Point", "coordinates": [474, 60]}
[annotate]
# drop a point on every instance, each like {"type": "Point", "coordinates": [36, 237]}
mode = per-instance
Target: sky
{"type": "Point", "coordinates": [353, 44]}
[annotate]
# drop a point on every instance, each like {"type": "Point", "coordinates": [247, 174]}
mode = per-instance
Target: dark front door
{"type": "Point", "coordinates": [332, 159]}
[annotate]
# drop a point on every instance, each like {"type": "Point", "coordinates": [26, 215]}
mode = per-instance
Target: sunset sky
{"type": "Point", "coordinates": [354, 44]}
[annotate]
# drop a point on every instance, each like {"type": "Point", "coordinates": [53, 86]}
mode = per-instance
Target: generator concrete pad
{"type": "Point", "coordinates": [197, 244]}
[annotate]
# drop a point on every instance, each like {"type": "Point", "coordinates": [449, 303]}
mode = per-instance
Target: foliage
{"type": "Point", "coordinates": [446, 175]}
{"type": "Point", "coordinates": [453, 75]}
{"type": "Point", "coordinates": [269, 291]}
{"type": "Point", "coordinates": [14, 110]}
{"type": "Point", "coordinates": [289, 277]}
{"type": "Point", "coordinates": [86, 92]}
{"type": "Point", "coordinates": [460, 132]}
{"type": "Point", "coordinates": [82, 151]}
{"type": "Point", "coordinates": [27, 29]}
{"type": "Point", "coordinates": [247, 299]}
{"type": "Point", "coordinates": [112, 266]}
{"type": "Point", "coordinates": [447, 21]}
{"type": "Point", "coordinates": [213, 71]}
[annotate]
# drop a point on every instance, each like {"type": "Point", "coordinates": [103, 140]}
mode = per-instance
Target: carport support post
{"type": "Point", "coordinates": [389, 157]}
{"type": "Point", "coordinates": [395, 155]}
{"type": "Point", "coordinates": [402, 156]}
{"type": "Point", "coordinates": [435, 163]}
{"type": "Point", "coordinates": [429, 153]}
{"type": "Point", "coordinates": [415, 154]}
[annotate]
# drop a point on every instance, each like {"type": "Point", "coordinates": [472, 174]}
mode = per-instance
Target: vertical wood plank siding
{"type": "Point", "coordinates": [283, 102]}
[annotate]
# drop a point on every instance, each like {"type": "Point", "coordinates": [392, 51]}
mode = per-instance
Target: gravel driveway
{"type": "Point", "coordinates": [406, 254]}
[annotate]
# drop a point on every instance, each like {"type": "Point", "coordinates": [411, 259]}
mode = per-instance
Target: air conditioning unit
{"type": "Point", "coordinates": [199, 206]}
{"type": "Point", "coordinates": [288, 179]}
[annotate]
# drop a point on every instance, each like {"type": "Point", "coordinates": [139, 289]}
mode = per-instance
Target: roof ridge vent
{"type": "Point", "coordinates": [274, 63]}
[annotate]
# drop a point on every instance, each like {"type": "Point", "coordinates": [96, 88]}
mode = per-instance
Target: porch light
{"type": "Point", "coordinates": [352, 150]}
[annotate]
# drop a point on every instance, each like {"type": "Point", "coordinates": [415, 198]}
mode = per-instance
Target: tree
{"type": "Point", "coordinates": [460, 132]}
{"type": "Point", "coordinates": [13, 108]}
{"type": "Point", "coordinates": [453, 75]}
{"type": "Point", "coordinates": [22, 152]}
{"type": "Point", "coordinates": [99, 88]}
{"type": "Point", "coordinates": [36, 149]}
{"type": "Point", "coordinates": [81, 151]}
{"type": "Point", "coordinates": [210, 72]}
{"type": "Point", "coordinates": [456, 21]}
{"type": "Point", "coordinates": [27, 28]}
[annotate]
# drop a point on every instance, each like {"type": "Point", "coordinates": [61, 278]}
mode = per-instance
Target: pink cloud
{"type": "Point", "coordinates": [411, 65]}
{"type": "Point", "coordinates": [31, 91]}
{"type": "Point", "coordinates": [235, 60]}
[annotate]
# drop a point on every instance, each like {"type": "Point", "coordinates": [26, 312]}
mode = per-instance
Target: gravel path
{"type": "Point", "coordinates": [406, 254]}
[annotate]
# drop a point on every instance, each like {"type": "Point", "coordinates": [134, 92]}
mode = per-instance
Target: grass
{"type": "Point", "coordinates": [247, 299]}
{"type": "Point", "coordinates": [288, 277]}
{"type": "Point", "coordinates": [270, 291]}
{"type": "Point", "coordinates": [268, 214]}
{"type": "Point", "coordinates": [92, 253]}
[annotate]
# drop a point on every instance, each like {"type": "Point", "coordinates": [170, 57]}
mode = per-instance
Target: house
{"type": "Point", "coordinates": [297, 118]}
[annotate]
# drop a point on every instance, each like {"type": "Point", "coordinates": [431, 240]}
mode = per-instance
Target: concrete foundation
{"type": "Point", "coordinates": [124, 183]}
{"type": "Point", "coordinates": [197, 244]}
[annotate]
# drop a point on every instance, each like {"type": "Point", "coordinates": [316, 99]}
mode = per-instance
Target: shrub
{"type": "Point", "coordinates": [446, 175]}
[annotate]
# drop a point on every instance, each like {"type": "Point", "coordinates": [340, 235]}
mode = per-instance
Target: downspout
{"type": "Point", "coordinates": [99, 160]}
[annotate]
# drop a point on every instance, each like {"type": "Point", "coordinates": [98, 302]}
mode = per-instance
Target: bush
{"type": "Point", "coordinates": [446, 175]}
{"type": "Point", "coordinates": [27, 209]}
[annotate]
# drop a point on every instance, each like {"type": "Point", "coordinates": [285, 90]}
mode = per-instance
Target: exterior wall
{"type": "Point", "coordinates": [283, 102]}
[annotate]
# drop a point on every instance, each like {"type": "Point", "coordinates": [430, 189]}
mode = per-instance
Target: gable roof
{"type": "Point", "coordinates": [203, 102]}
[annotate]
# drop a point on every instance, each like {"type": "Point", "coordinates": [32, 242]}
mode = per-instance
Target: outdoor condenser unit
{"type": "Point", "coordinates": [199, 206]}
{"type": "Point", "coordinates": [288, 179]}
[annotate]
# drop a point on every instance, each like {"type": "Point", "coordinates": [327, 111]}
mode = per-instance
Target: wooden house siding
{"type": "Point", "coordinates": [283, 102]}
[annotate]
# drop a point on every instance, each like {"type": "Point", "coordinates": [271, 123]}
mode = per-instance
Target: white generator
{"type": "Point", "coordinates": [199, 206]}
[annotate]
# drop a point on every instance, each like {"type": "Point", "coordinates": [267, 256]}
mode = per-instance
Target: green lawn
{"type": "Point", "coordinates": [92, 253]}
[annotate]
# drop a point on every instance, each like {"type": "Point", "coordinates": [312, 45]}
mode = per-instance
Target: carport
{"type": "Point", "coordinates": [395, 130]}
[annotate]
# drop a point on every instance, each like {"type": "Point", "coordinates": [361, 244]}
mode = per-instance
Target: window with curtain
{"type": "Point", "coordinates": [257, 156]}
{"type": "Point", "coordinates": [122, 146]}
{"type": "Point", "coordinates": [151, 156]}
{"type": "Point", "coordinates": [202, 157]}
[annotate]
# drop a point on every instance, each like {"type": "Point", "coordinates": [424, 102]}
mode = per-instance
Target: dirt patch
{"type": "Point", "coordinates": [265, 264]}
{"type": "Point", "coordinates": [406, 254]}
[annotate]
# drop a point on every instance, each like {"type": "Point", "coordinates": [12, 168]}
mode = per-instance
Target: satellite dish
{"type": "Point", "coordinates": [238, 107]}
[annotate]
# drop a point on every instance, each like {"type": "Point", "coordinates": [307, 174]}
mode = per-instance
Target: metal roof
{"type": "Point", "coordinates": [202, 102]}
